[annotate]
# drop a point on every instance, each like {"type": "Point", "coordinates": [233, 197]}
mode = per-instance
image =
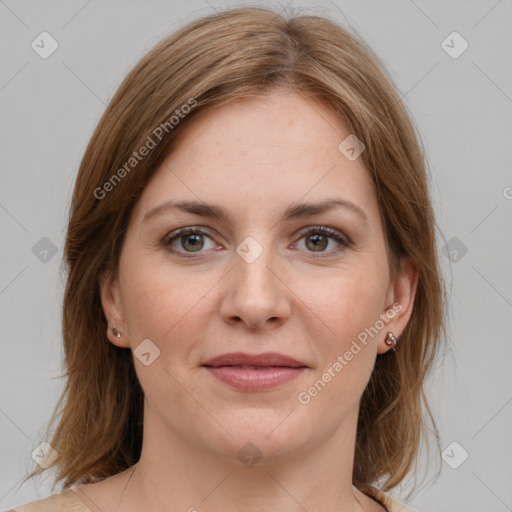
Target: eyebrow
{"type": "Point", "coordinates": [217, 212]}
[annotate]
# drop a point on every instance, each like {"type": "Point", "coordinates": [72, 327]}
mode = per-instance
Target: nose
{"type": "Point", "coordinates": [255, 294]}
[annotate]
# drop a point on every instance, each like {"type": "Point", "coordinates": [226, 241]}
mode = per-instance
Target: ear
{"type": "Point", "coordinates": [113, 310]}
{"type": "Point", "coordinates": [399, 303]}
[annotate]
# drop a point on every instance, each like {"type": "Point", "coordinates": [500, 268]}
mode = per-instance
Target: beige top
{"type": "Point", "coordinates": [68, 501]}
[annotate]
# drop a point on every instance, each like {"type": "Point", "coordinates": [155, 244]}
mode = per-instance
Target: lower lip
{"type": "Point", "coordinates": [249, 379]}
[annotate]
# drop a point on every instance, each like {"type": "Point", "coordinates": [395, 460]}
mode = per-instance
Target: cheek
{"type": "Point", "coordinates": [348, 307]}
{"type": "Point", "coordinates": [347, 304]}
{"type": "Point", "coordinates": [168, 306]}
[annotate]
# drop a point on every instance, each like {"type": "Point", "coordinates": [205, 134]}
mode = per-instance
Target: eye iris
{"type": "Point", "coordinates": [317, 244]}
{"type": "Point", "coordinates": [194, 242]}
{"type": "Point", "coordinates": [197, 242]}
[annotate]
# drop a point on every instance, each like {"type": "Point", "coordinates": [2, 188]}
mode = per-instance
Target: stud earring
{"type": "Point", "coordinates": [116, 333]}
{"type": "Point", "coordinates": [390, 340]}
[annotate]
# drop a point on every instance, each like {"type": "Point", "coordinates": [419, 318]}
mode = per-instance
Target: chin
{"type": "Point", "coordinates": [264, 434]}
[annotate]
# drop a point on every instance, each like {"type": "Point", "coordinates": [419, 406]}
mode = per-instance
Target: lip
{"type": "Point", "coordinates": [254, 372]}
{"type": "Point", "coordinates": [263, 359]}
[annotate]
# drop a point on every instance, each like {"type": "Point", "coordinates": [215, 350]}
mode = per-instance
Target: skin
{"type": "Point", "coordinates": [255, 157]}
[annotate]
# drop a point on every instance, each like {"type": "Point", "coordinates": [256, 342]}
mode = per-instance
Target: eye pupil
{"type": "Point", "coordinates": [197, 242]}
{"type": "Point", "coordinates": [317, 241]}
{"type": "Point", "coordinates": [193, 240]}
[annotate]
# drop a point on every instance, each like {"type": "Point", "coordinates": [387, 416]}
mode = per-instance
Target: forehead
{"type": "Point", "coordinates": [261, 152]}
{"type": "Point", "coordinates": [274, 124]}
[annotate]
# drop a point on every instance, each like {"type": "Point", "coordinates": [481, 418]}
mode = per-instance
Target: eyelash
{"type": "Point", "coordinates": [323, 230]}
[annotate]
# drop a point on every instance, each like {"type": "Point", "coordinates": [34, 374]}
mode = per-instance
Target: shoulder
{"type": "Point", "coordinates": [389, 502]}
{"type": "Point", "coordinates": [64, 501]}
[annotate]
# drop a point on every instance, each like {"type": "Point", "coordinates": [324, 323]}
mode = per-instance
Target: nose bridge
{"type": "Point", "coordinates": [255, 293]}
{"type": "Point", "coordinates": [254, 262]}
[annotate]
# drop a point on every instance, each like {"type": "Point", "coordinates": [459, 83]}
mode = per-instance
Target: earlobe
{"type": "Point", "coordinates": [399, 306]}
{"type": "Point", "coordinates": [112, 309]}
{"type": "Point", "coordinates": [390, 340]}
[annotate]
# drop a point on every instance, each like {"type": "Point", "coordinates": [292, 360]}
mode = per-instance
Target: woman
{"type": "Point", "coordinates": [253, 298]}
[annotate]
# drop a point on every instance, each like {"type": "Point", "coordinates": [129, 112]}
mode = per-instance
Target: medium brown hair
{"type": "Point", "coordinates": [233, 54]}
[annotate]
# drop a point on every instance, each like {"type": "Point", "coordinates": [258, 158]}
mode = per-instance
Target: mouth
{"type": "Point", "coordinates": [264, 360]}
{"type": "Point", "coordinates": [254, 372]}
{"type": "Point", "coordinates": [245, 367]}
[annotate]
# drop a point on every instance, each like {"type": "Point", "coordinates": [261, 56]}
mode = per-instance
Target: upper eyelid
{"type": "Point", "coordinates": [175, 234]}
{"type": "Point", "coordinates": [210, 231]}
{"type": "Point", "coordinates": [189, 229]}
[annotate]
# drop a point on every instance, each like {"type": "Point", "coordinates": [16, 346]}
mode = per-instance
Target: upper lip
{"type": "Point", "coordinates": [263, 359]}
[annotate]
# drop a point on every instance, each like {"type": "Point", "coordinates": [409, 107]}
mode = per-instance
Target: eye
{"type": "Point", "coordinates": [317, 239]}
{"type": "Point", "coordinates": [186, 240]}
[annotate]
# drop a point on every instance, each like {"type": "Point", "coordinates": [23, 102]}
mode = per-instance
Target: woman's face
{"type": "Point", "coordinates": [254, 280]}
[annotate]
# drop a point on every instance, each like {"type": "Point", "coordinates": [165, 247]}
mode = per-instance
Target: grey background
{"type": "Point", "coordinates": [462, 108]}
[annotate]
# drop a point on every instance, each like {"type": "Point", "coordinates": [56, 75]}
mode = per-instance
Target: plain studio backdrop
{"type": "Point", "coordinates": [451, 61]}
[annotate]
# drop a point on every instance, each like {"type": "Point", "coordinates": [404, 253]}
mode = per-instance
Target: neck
{"type": "Point", "coordinates": [172, 474]}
